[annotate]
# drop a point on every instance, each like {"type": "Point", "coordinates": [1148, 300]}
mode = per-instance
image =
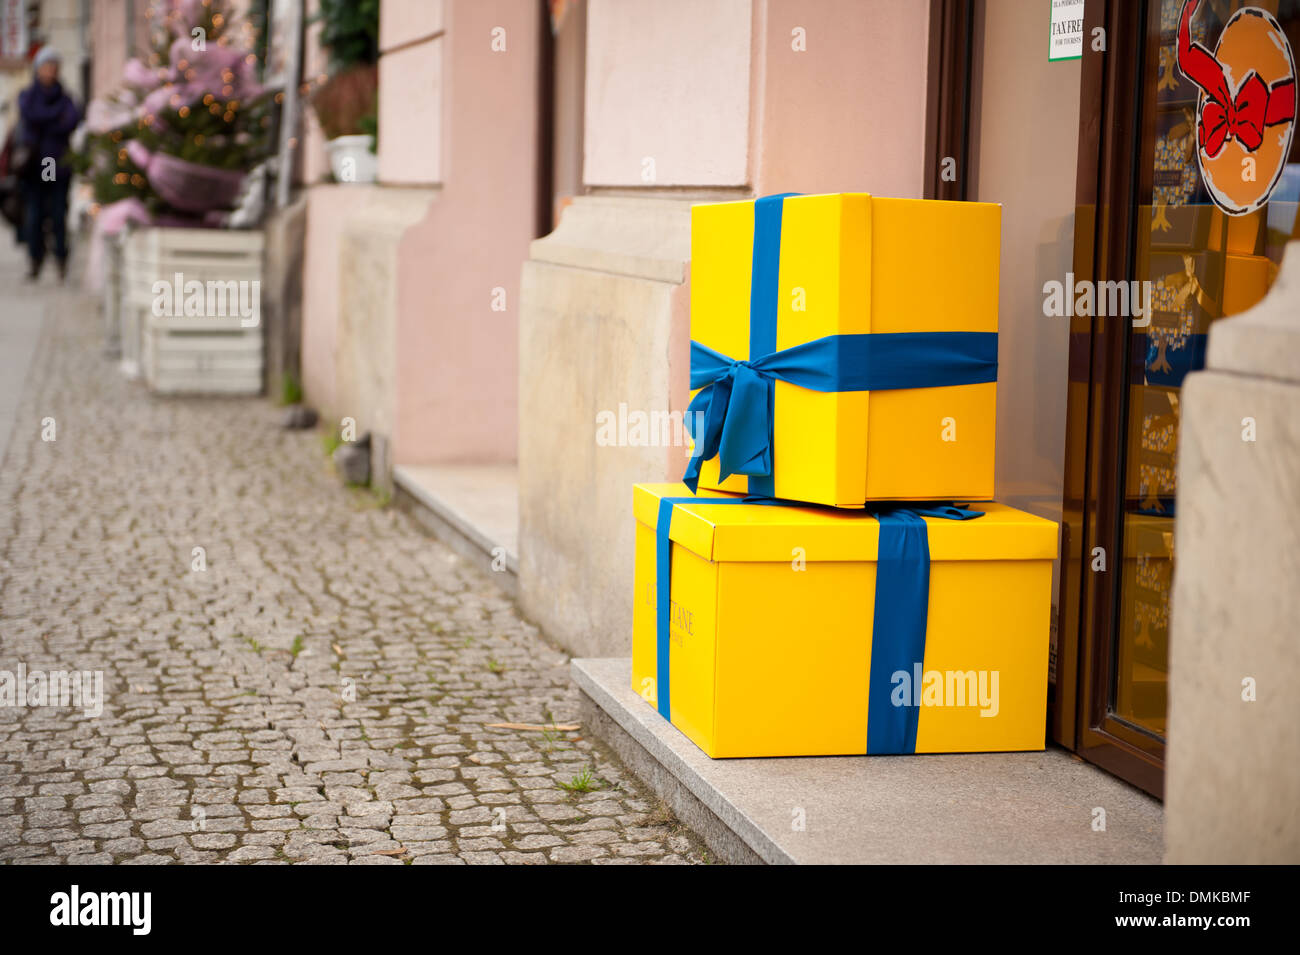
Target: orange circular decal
{"type": "Point", "coordinates": [1247, 105]}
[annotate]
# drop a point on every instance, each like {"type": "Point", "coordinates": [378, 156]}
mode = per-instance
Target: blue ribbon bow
{"type": "Point", "coordinates": [900, 611]}
{"type": "Point", "coordinates": [735, 401]}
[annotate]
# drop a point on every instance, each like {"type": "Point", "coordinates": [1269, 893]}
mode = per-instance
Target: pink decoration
{"type": "Point", "coordinates": [137, 75]}
{"type": "Point", "coordinates": [113, 217]}
{"type": "Point", "coordinates": [191, 187]}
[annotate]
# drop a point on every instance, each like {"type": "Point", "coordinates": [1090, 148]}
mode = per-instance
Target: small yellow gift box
{"type": "Point", "coordinates": [768, 630]}
{"type": "Point", "coordinates": [844, 348]}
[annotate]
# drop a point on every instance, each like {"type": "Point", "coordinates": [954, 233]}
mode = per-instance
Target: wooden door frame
{"type": "Point", "coordinates": [950, 102]}
{"type": "Point", "coordinates": [544, 212]}
{"type": "Point", "coordinates": [1108, 189]}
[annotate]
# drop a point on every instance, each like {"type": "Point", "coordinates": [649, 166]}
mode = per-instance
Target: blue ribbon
{"type": "Point", "coordinates": [1182, 361]}
{"type": "Point", "coordinates": [663, 592]}
{"type": "Point", "coordinates": [901, 615]}
{"type": "Point", "coordinates": [901, 610]}
{"type": "Point", "coordinates": [736, 398]}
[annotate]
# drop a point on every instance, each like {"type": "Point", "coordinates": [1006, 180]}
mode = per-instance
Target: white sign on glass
{"type": "Point", "coordinates": [1065, 38]}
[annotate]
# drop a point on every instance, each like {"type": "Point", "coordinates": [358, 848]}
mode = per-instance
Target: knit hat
{"type": "Point", "coordinates": [47, 54]}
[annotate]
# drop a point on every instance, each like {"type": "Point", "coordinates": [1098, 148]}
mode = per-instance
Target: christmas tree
{"type": "Point", "coordinates": [188, 123]}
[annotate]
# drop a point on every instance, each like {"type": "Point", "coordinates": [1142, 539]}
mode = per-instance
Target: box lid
{"type": "Point", "coordinates": [762, 532]}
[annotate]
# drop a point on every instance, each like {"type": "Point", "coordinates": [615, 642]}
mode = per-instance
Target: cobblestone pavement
{"type": "Point", "coordinates": [227, 734]}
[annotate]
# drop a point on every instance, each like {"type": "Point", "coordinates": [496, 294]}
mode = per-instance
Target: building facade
{"type": "Point", "coordinates": [520, 273]}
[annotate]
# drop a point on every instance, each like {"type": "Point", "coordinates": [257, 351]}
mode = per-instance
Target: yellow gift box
{"type": "Point", "coordinates": [1146, 588]}
{"type": "Point", "coordinates": [771, 612]}
{"type": "Point", "coordinates": [852, 264]}
{"type": "Point", "coordinates": [1142, 662]}
{"type": "Point", "coordinates": [1245, 281]}
{"type": "Point", "coordinates": [1152, 456]}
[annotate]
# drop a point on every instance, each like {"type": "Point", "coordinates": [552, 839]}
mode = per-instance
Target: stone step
{"type": "Point", "coordinates": [1001, 808]}
{"type": "Point", "coordinates": [473, 509]}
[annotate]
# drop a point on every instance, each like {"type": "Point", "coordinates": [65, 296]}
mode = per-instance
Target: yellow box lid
{"type": "Point", "coordinates": [762, 532]}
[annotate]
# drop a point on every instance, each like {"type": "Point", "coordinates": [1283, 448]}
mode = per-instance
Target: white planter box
{"type": "Point", "coordinates": [184, 362]}
{"type": "Point", "coordinates": [214, 352]}
{"type": "Point", "coordinates": [112, 296]}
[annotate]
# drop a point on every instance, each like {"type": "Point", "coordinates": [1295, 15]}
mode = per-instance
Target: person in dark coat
{"type": "Point", "coordinates": [48, 116]}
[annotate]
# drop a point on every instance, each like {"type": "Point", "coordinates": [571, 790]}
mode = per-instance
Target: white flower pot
{"type": "Point", "coordinates": [351, 159]}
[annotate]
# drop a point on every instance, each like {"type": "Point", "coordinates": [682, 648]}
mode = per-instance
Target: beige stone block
{"type": "Point", "coordinates": [366, 350]}
{"type": "Point", "coordinates": [282, 275]}
{"type": "Point", "coordinates": [590, 340]}
{"type": "Point", "coordinates": [1232, 786]}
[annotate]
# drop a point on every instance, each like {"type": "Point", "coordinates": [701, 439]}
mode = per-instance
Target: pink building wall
{"type": "Point", "coordinates": [411, 79]}
{"type": "Point", "coordinates": [667, 92]}
{"type": "Point", "coordinates": [312, 164]}
{"type": "Point", "coordinates": [776, 95]}
{"type": "Point", "coordinates": [847, 112]}
{"type": "Point", "coordinates": [456, 355]}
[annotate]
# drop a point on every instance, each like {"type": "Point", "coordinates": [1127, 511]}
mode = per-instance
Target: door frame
{"type": "Point", "coordinates": [1108, 184]}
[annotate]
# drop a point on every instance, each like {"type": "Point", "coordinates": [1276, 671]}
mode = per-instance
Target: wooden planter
{"type": "Point", "coordinates": [112, 296]}
{"type": "Point", "coordinates": [211, 350]}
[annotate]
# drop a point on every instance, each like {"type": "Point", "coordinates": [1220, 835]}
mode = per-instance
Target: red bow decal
{"type": "Point", "coordinates": [1243, 117]}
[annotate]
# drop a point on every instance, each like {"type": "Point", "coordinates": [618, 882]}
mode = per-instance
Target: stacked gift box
{"type": "Point", "coordinates": [1172, 88]}
{"type": "Point", "coordinates": [1141, 684]}
{"type": "Point", "coordinates": [1203, 265]}
{"type": "Point", "coordinates": [832, 576]}
{"type": "Point", "coordinates": [1204, 269]}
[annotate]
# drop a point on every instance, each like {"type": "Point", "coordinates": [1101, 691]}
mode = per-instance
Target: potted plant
{"type": "Point", "coordinates": [347, 106]}
{"type": "Point", "coordinates": [170, 153]}
{"type": "Point", "coordinates": [347, 102]}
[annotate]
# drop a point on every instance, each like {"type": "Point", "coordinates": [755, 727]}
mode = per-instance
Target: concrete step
{"type": "Point", "coordinates": [1002, 808]}
{"type": "Point", "coordinates": [474, 509]}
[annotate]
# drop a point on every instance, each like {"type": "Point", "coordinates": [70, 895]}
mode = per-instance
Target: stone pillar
{"type": "Point", "coordinates": [402, 329]}
{"type": "Point", "coordinates": [1232, 786]}
{"type": "Point", "coordinates": [684, 101]}
{"type": "Point", "coordinates": [109, 46]}
{"type": "Point", "coordinates": [349, 315]}
{"type": "Point", "coordinates": [353, 231]}
{"type": "Point", "coordinates": [603, 324]}
{"type": "Point", "coordinates": [282, 267]}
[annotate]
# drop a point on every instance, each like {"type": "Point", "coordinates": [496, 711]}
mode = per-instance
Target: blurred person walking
{"type": "Point", "coordinates": [47, 117]}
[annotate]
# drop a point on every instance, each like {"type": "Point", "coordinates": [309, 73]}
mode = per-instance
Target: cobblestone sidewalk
{"type": "Point", "coordinates": [321, 692]}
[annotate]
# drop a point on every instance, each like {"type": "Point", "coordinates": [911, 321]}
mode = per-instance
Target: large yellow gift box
{"type": "Point", "coordinates": [859, 336]}
{"type": "Point", "coordinates": [761, 629]}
